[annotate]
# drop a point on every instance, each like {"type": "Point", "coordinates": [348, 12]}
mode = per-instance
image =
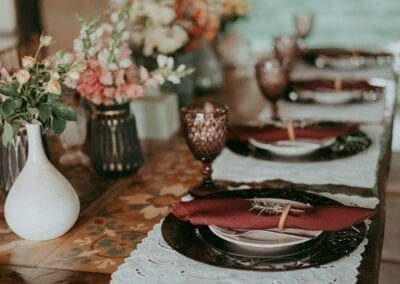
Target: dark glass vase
{"type": "Point", "coordinates": [114, 145]}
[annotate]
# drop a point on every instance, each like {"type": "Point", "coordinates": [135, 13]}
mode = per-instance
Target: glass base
{"type": "Point", "coordinates": [203, 190]}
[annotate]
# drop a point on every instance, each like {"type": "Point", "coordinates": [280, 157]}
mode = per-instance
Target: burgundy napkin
{"type": "Point", "coordinates": [235, 214]}
{"type": "Point", "coordinates": [273, 134]}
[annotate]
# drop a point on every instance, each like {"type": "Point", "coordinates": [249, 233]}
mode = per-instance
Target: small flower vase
{"type": "Point", "coordinates": [208, 74]}
{"type": "Point", "coordinates": [41, 204]}
{"type": "Point", "coordinates": [114, 145]}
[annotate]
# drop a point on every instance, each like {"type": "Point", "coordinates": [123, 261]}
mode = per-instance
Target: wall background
{"type": "Point", "coordinates": [352, 23]}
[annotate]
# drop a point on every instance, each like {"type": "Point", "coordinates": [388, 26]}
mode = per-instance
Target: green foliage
{"type": "Point", "coordinates": [34, 95]}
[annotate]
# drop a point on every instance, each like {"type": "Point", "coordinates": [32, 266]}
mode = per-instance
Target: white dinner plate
{"type": "Point", "coordinates": [288, 148]}
{"type": "Point", "coordinates": [267, 239]}
{"type": "Point", "coordinates": [330, 97]}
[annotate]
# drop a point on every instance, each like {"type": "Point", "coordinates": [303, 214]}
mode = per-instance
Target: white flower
{"type": "Point", "coordinates": [107, 27]}
{"type": "Point", "coordinates": [181, 68]}
{"type": "Point", "coordinates": [54, 75]}
{"type": "Point", "coordinates": [70, 83]}
{"type": "Point", "coordinates": [66, 59]}
{"type": "Point", "coordinates": [125, 63]}
{"type": "Point", "coordinates": [78, 45]}
{"type": "Point", "coordinates": [46, 40]}
{"type": "Point", "coordinates": [73, 74]}
{"type": "Point", "coordinates": [100, 32]}
{"type": "Point", "coordinates": [22, 76]}
{"type": "Point", "coordinates": [170, 63]}
{"type": "Point", "coordinates": [114, 17]}
{"type": "Point", "coordinates": [162, 60]}
{"type": "Point", "coordinates": [125, 36]}
{"type": "Point", "coordinates": [28, 62]}
{"type": "Point", "coordinates": [169, 40]}
{"type": "Point", "coordinates": [113, 66]}
{"type": "Point", "coordinates": [174, 79]}
{"type": "Point", "coordinates": [121, 26]}
{"type": "Point", "coordinates": [103, 57]}
{"type": "Point", "coordinates": [159, 78]}
{"type": "Point", "coordinates": [53, 87]}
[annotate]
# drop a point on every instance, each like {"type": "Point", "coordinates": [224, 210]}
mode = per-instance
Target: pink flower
{"type": "Point", "coordinates": [106, 77]}
{"type": "Point", "coordinates": [109, 92]}
{"type": "Point", "coordinates": [132, 75]}
{"type": "Point", "coordinates": [133, 91]}
{"type": "Point", "coordinates": [89, 84]}
{"type": "Point", "coordinates": [119, 77]}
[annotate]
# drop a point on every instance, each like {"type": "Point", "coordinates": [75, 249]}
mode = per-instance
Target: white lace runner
{"type": "Point", "coordinates": [154, 261]}
{"type": "Point", "coordinates": [358, 170]}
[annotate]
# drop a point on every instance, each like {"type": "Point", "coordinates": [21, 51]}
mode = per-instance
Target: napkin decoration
{"type": "Point", "coordinates": [237, 214]}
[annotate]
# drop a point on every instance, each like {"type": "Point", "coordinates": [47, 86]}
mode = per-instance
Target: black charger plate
{"type": "Point", "coordinates": [345, 146]}
{"type": "Point", "coordinates": [197, 243]}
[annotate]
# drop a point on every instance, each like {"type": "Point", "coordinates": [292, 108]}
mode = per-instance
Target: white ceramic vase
{"type": "Point", "coordinates": [41, 204]}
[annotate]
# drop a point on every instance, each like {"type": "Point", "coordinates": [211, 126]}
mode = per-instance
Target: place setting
{"type": "Point", "coordinates": [265, 230]}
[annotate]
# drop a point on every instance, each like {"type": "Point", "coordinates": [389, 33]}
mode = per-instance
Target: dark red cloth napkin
{"type": "Point", "coordinates": [273, 134]}
{"type": "Point", "coordinates": [235, 214]}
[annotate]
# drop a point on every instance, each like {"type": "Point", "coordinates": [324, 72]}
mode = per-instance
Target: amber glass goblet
{"type": "Point", "coordinates": [273, 81]}
{"type": "Point", "coordinates": [287, 50]}
{"type": "Point", "coordinates": [204, 128]}
{"type": "Point", "coordinates": [304, 24]}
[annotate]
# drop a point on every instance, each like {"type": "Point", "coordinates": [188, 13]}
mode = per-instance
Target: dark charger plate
{"type": "Point", "coordinates": [371, 58]}
{"type": "Point", "coordinates": [343, 147]}
{"type": "Point", "coordinates": [200, 244]}
{"type": "Point", "coordinates": [370, 92]}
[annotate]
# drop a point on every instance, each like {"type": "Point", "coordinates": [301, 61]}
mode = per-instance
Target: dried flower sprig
{"type": "Point", "coordinates": [269, 208]}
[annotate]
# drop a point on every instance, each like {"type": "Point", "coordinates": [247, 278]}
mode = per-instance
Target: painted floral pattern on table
{"type": "Point", "coordinates": [113, 225]}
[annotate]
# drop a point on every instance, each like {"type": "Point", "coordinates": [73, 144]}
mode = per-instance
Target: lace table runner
{"type": "Point", "coordinates": [154, 261]}
{"type": "Point", "coordinates": [358, 170]}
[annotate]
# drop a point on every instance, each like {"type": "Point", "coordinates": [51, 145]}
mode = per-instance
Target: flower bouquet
{"type": "Point", "coordinates": [172, 27]}
{"type": "Point", "coordinates": [110, 82]}
{"type": "Point", "coordinates": [32, 100]}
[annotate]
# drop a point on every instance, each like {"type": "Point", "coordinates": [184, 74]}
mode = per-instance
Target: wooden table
{"type": "Point", "coordinates": [117, 214]}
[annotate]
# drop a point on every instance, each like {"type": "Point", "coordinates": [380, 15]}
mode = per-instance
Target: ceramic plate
{"type": "Point", "coordinates": [347, 59]}
{"type": "Point", "coordinates": [288, 148]}
{"type": "Point", "coordinates": [324, 92]}
{"type": "Point", "coordinates": [200, 244]}
{"type": "Point", "coordinates": [267, 238]}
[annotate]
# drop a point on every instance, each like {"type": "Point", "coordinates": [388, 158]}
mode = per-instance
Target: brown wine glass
{"type": "Point", "coordinates": [287, 50]}
{"type": "Point", "coordinates": [273, 81]}
{"type": "Point", "coordinates": [205, 128]}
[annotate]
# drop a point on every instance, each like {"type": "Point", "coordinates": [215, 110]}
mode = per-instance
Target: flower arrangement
{"type": "Point", "coordinates": [111, 77]}
{"type": "Point", "coordinates": [233, 10]}
{"type": "Point", "coordinates": [154, 27]}
{"type": "Point", "coordinates": [200, 18]}
{"type": "Point", "coordinates": [33, 94]}
{"type": "Point", "coordinates": [169, 26]}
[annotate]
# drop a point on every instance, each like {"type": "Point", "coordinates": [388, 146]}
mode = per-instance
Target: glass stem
{"type": "Point", "coordinates": [207, 173]}
{"type": "Point", "coordinates": [275, 111]}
